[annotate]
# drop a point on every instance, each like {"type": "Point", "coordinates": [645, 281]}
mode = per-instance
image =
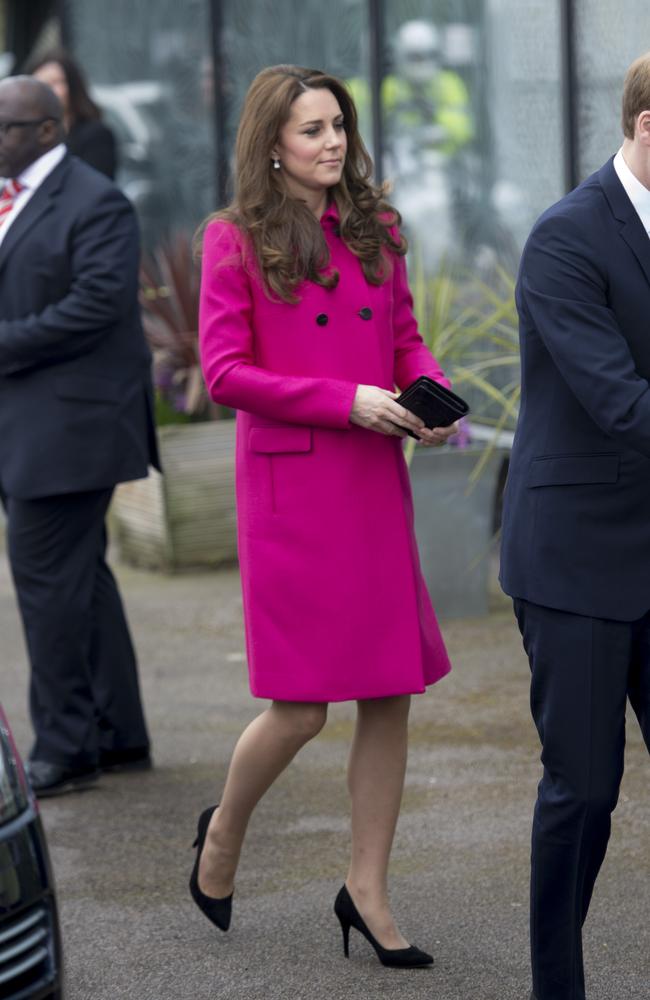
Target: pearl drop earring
{"type": "Point", "coordinates": [276, 164]}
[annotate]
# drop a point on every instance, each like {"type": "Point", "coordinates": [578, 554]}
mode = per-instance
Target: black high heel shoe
{"type": "Point", "coordinates": [216, 910]}
{"type": "Point", "coordinates": [349, 916]}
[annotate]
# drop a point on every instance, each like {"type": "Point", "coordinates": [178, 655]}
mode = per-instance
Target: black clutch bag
{"type": "Point", "coordinates": [433, 403]}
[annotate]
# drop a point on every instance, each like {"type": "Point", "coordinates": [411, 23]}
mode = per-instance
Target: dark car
{"type": "Point", "coordinates": [30, 943]}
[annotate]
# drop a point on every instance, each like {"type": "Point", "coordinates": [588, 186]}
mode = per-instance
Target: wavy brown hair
{"type": "Point", "coordinates": [286, 238]}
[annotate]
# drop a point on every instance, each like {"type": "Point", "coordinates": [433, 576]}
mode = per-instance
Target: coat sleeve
{"type": "Point", "coordinates": [564, 292]}
{"type": "Point", "coordinates": [412, 357]}
{"type": "Point", "coordinates": [227, 346]}
{"type": "Point", "coordinates": [104, 254]}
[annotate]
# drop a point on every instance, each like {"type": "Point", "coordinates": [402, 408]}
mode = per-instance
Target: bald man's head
{"type": "Point", "coordinates": [31, 123]}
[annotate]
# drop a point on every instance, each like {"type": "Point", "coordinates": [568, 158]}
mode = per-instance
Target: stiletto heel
{"type": "Point", "coordinates": [349, 916]}
{"type": "Point", "coordinates": [218, 911]}
{"type": "Point", "coordinates": [345, 927]}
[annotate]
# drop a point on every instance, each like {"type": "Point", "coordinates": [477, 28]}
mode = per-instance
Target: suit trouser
{"type": "Point", "coordinates": [84, 692]}
{"type": "Point", "coordinates": [583, 672]}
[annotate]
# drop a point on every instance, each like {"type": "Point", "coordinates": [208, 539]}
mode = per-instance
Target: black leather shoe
{"type": "Point", "coordinates": [133, 759]}
{"type": "Point", "coordinates": [398, 958]}
{"type": "Point", "coordinates": [218, 910]}
{"type": "Point", "coordinates": [54, 779]}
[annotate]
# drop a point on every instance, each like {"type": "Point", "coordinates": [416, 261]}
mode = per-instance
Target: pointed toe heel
{"type": "Point", "coordinates": [399, 958]}
{"type": "Point", "coordinates": [218, 911]}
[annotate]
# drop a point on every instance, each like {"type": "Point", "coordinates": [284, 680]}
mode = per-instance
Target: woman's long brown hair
{"type": "Point", "coordinates": [286, 238]}
{"type": "Point", "coordinates": [82, 108]}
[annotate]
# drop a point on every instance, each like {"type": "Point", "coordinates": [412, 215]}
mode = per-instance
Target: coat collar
{"type": "Point", "coordinates": [330, 218]}
{"type": "Point", "coordinates": [631, 228]}
{"type": "Point", "coordinates": [40, 203]}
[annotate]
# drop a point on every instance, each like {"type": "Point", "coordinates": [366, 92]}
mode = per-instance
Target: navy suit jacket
{"type": "Point", "coordinates": [75, 383]}
{"type": "Point", "coordinates": [576, 521]}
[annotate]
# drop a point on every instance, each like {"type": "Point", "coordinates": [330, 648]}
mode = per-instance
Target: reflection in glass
{"type": "Point", "coordinates": [428, 118]}
{"type": "Point", "coordinates": [459, 154]}
{"type": "Point", "coordinates": [150, 69]}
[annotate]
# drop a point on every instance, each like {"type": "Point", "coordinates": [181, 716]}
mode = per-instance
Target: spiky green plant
{"type": "Point", "coordinates": [470, 325]}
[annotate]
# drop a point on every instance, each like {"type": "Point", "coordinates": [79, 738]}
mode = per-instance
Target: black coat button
{"type": "Point", "coordinates": [322, 319]}
{"type": "Point", "coordinates": [365, 313]}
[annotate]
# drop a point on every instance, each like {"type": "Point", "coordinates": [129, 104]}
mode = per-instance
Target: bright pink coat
{"type": "Point", "coordinates": [335, 606]}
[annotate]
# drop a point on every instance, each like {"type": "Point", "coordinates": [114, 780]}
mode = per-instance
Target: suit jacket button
{"type": "Point", "coordinates": [322, 319]}
{"type": "Point", "coordinates": [365, 313]}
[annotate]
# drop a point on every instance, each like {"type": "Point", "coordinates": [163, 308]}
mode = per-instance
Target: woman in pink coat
{"type": "Point", "coordinates": [306, 327]}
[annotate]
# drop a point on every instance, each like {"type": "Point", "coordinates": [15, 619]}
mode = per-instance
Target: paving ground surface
{"type": "Point", "coordinates": [122, 853]}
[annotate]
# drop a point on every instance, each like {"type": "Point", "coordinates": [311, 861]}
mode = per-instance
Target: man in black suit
{"type": "Point", "coordinates": [75, 420]}
{"type": "Point", "coordinates": [576, 523]}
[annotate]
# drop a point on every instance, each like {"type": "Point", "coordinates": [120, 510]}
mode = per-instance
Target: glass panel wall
{"type": "Point", "coordinates": [470, 96]}
{"type": "Point", "coordinates": [523, 105]}
{"type": "Point", "coordinates": [332, 37]}
{"type": "Point", "coordinates": [150, 67]}
{"type": "Point", "coordinates": [608, 37]}
{"type": "Point", "coordinates": [431, 99]}
{"type": "Point", "coordinates": [472, 123]}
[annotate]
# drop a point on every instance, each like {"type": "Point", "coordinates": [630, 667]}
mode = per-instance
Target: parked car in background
{"type": "Point", "coordinates": [30, 941]}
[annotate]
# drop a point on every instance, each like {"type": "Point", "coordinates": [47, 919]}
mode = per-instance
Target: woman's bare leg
{"type": "Point", "coordinates": [376, 781]}
{"type": "Point", "coordinates": [263, 750]}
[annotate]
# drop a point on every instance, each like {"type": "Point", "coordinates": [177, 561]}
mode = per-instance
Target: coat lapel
{"type": "Point", "coordinates": [40, 203]}
{"type": "Point", "coordinates": [631, 228]}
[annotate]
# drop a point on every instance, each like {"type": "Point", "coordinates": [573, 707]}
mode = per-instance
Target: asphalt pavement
{"type": "Point", "coordinates": [122, 855]}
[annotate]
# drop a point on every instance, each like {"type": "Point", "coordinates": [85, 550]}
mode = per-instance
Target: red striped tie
{"type": "Point", "coordinates": [9, 193]}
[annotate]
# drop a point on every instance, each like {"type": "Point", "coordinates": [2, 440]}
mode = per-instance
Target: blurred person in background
{"type": "Point", "coordinates": [421, 95]}
{"type": "Point", "coordinates": [75, 420]}
{"type": "Point", "coordinates": [306, 326]}
{"type": "Point", "coordinates": [428, 132]}
{"type": "Point", "coordinates": [88, 137]}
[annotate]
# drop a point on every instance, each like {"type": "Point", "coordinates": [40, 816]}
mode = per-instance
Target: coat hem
{"type": "Point", "coordinates": [267, 695]}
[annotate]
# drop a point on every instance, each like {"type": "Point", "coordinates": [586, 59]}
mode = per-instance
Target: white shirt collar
{"type": "Point", "coordinates": [637, 192]}
{"type": "Point", "coordinates": [34, 175]}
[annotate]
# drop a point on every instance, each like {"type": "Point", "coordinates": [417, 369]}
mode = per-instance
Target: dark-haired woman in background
{"type": "Point", "coordinates": [88, 137]}
{"type": "Point", "coordinates": [306, 326]}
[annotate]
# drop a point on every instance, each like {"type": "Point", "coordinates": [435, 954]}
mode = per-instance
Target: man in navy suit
{"type": "Point", "coordinates": [75, 420]}
{"type": "Point", "coordinates": [576, 524]}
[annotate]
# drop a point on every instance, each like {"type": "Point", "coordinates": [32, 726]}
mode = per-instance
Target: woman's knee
{"type": "Point", "coordinates": [304, 720]}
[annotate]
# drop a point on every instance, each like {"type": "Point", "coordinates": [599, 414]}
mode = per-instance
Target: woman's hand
{"type": "Point", "coordinates": [438, 435]}
{"type": "Point", "coordinates": [377, 410]}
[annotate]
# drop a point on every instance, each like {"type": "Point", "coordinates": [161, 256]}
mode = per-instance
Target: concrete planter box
{"type": "Point", "coordinates": [454, 528]}
{"type": "Point", "coordinates": [185, 518]}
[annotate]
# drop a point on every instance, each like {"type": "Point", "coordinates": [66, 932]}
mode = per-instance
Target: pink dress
{"type": "Point", "coordinates": [335, 606]}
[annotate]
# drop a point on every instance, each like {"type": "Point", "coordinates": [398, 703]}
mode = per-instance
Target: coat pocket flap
{"type": "Point", "coordinates": [88, 388]}
{"type": "Point", "coordinates": [273, 440]}
{"type": "Point", "coordinates": [573, 470]}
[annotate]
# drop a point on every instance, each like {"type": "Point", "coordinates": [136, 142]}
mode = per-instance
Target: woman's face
{"type": "Point", "coordinates": [52, 74]}
{"type": "Point", "coordinates": [312, 145]}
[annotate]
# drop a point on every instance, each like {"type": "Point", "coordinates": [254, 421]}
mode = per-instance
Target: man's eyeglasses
{"type": "Point", "coordinates": [5, 127]}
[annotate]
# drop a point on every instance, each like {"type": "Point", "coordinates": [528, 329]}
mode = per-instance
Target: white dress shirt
{"type": "Point", "coordinates": [637, 192]}
{"type": "Point", "coordinates": [31, 179]}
